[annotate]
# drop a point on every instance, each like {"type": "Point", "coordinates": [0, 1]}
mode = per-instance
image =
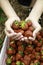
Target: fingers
{"type": "Point", "coordinates": [37, 27]}
{"type": "Point", "coordinates": [9, 22]}
{"type": "Point", "coordinates": [16, 36]}
{"type": "Point", "coordinates": [8, 30]}
{"type": "Point", "coordinates": [9, 33]}
{"type": "Point", "coordinates": [19, 37]}
{"type": "Point", "coordinates": [35, 33]}
{"type": "Point", "coordinates": [27, 18]}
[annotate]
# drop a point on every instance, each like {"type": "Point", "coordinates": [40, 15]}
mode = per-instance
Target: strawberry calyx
{"type": "Point", "coordinates": [22, 24]}
{"type": "Point", "coordinates": [16, 22]}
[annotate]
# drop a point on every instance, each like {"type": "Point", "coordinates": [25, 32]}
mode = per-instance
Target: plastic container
{"type": "Point", "coordinates": [3, 51]}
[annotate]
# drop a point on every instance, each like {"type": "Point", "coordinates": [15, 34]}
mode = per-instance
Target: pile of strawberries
{"type": "Point", "coordinates": [25, 27]}
{"type": "Point", "coordinates": [22, 53]}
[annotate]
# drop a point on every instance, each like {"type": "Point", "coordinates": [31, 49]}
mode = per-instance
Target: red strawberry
{"type": "Point", "coordinates": [39, 44]}
{"type": "Point", "coordinates": [15, 25]}
{"type": "Point", "coordinates": [35, 42]}
{"type": "Point", "coordinates": [36, 62]}
{"type": "Point", "coordinates": [39, 37]}
{"type": "Point", "coordinates": [12, 44]}
{"type": "Point", "coordinates": [13, 63]}
{"type": "Point", "coordinates": [20, 48]}
{"type": "Point", "coordinates": [29, 23]}
{"type": "Point", "coordinates": [41, 63]}
{"type": "Point", "coordinates": [20, 30]}
{"type": "Point", "coordinates": [14, 51]}
{"type": "Point", "coordinates": [38, 49]}
{"type": "Point", "coordinates": [13, 58]}
{"type": "Point", "coordinates": [32, 56]}
{"type": "Point", "coordinates": [42, 33]}
{"type": "Point", "coordinates": [31, 63]}
{"type": "Point", "coordinates": [10, 51]}
{"type": "Point", "coordinates": [31, 28]}
{"type": "Point", "coordinates": [25, 52]}
{"type": "Point", "coordinates": [28, 33]}
{"type": "Point", "coordinates": [19, 43]}
{"type": "Point", "coordinates": [18, 56]}
{"type": "Point", "coordinates": [26, 57]}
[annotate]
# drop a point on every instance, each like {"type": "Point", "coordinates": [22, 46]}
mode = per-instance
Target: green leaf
{"type": "Point", "coordinates": [42, 57]}
{"type": "Point", "coordinates": [22, 63]}
{"type": "Point", "coordinates": [16, 22]}
{"type": "Point", "coordinates": [18, 63]}
{"type": "Point", "coordinates": [40, 41]}
{"type": "Point", "coordinates": [22, 24]}
{"type": "Point", "coordinates": [42, 52]}
{"type": "Point", "coordinates": [10, 48]}
{"type": "Point", "coordinates": [8, 61]}
{"type": "Point", "coordinates": [21, 53]}
{"type": "Point", "coordinates": [37, 63]}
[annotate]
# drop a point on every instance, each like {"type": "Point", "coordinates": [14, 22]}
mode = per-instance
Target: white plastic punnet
{"type": "Point", "coordinates": [3, 51]}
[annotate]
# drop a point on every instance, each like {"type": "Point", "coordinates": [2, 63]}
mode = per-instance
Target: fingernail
{"type": "Point", "coordinates": [21, 36]}
{"type": "Point", "coordinates": [25, 38]}
{"type": "Point", "coordinates": [31, 38]}
{"type": "Point", "coordinates": [22, 39]}
{"type": "Point", "coordinates": [19, 33]}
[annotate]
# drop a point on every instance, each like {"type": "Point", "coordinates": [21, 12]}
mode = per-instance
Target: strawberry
{"type": "Point", "coordinates": [12, 44]}
{"type": "Point", "coordinates": [39, 37]}
{"type": "Point", "coordinates": [41, 63]}
{"type": "Point", "coordinates": [9, 51]}
{"type": "Point", "coordinates": [13, 58]}
{"type": "Point", "coordinates": [38, 49]}
{"type": "Point", "coordinates": [20, 48]}
{"type": "Point", "coordinates": [23, 25]}
{"type": "Point", "coordinates": [15, 24]}
{"type": "Point", "coordinates": [29, 23]}
{"type": "Point", "coordinates": [19, 43]}
{"type": "Point", "coordinates": [31, 28]}
{"type": "Point", "coordinates": [36, 62]}
{"type": "Point", "coordinates": [28, 33]}
{"type": "Point", "coordinates": [31, 63]}
{"type": "Point", "coordinates": [19, 30]}
{"type": "Point", "coordinates": [14, 51]}
{"type": "Point", "coordinates": [18, 56]}
{"type": "Point", "coordinates": [39, 44]}
{"type": "Point", "coordinates": [13, 63]}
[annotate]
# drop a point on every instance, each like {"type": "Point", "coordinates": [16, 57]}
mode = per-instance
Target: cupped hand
{"type": "Point", "coordinates": [9, 31]}
{"type": "Point", "coordinates": [37, 28]}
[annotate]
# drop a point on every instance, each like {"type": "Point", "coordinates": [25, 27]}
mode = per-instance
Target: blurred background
{"type": "Point", "coordinates": [22, 8]}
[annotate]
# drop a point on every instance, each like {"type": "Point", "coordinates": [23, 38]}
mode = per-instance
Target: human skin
{"type": "Point", "coordinates": [34, 17]}
{"type": "Point", "coordinates": [12, 16]}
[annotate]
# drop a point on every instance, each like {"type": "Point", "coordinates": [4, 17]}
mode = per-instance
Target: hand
{"type": "Point", "coordinates": [34, 17]}
{"type": "Point", "coordinates": [37, 27]}
{"type": "Point", "coordinates": [9, 31]}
